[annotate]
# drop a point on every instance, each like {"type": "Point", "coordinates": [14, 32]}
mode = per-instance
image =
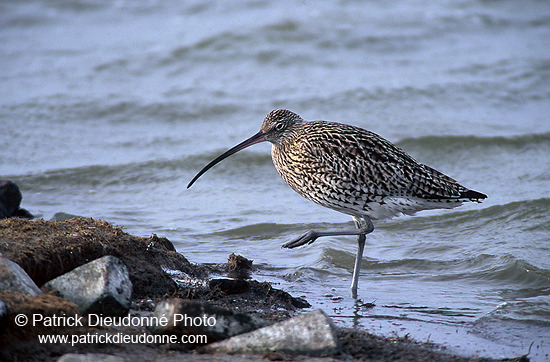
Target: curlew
{"type": "Point", "coordinates": [353, 171]}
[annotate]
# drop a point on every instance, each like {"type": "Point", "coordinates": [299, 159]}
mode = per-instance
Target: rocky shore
{"type": "Point", "coordinates": [129, 298]}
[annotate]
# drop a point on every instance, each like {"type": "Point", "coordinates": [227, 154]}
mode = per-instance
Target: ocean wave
{"type": "Point", "coordinates": [502, 271]}
{"type": "Point", "coordinates": [495, 158]}
{"type": "Point", "coordinates": [258, 231]}
{"type": "Point", "coordinates": [535, 310]}
{"type": "Point", "coordinates": [157, 171]}
{"type": "Point", "coordinates": [119, 110]}
{"type": "Point", "coordinates": [512, 143]}
{"type": "Point", "coordinates": [104, 175]}
{"type": "Point", "coordinates": [515, 216]}
{"type": "Point", "coordinates": [513, 276]}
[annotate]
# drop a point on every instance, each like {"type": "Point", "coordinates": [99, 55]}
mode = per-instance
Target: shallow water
{"type": "Point", "coordinates": [109, 108]}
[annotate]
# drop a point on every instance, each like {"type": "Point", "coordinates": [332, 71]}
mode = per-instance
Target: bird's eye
{"type": "Point", "coordinates": [279, 126]}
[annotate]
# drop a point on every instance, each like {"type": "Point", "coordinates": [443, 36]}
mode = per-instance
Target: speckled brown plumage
{"type": "Point", "coordinates": [355, 171]}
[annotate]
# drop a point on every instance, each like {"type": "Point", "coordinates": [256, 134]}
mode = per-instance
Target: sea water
{"type": "Point", "coordinates": [107, 110]}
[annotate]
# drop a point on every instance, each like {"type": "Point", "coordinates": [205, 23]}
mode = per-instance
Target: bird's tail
{"type": "Point", "coordinates": [473, 195]}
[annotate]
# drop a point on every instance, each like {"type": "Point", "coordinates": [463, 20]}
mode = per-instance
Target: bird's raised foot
{"type": "Point", "coordinates": [307, 238]}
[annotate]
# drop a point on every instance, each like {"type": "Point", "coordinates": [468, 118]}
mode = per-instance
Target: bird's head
{"type": "Point", "coordinates": [280, 124]}
{"type": "Point", "coordinates": [277, 125]}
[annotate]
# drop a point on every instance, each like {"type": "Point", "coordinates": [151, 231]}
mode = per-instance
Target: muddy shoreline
{"type": "Point", "coordinates": [48, 249]}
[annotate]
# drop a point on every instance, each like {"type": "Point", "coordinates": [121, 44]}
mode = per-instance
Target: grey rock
{"type": "Point", "coordinates": [14, 278]}
{"type": "Point", "coordinates": [311, 334]}
{"type": "Point", "coordinates": [4, 311]}
{"type": "Point", "coordinates": [100, 286]}
{"type": "Point", "coordinates": [90, 357]}
{"type": "Point", "coordinates": [200, 318]}
{"type": "Point", "coordinates": [61, 216]}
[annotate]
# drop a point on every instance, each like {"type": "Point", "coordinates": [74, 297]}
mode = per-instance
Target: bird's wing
{"type": "Point", "coordinates": [363, 160]}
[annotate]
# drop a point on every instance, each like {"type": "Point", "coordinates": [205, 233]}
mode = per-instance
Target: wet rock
{"type": "Point", "coordinates": [63, 216]}
{"type": "Point", "coordinates": [186, 317]}
{"type": "Point", "coordinates": [299, 302]}
{"type": "Point", "coordinates": [228, 286]}
{"type": "Point", "coordinates": [90, 357]}
{"type": "Point", "coordinates": [14, 278]}
{"type": "Point", "coordinates": [101, 286]}
{"type": "Point", "coordinates": [10, 199]}
{"type": "Point", "coordinates": [238, 266]}
{"type": "Point", "coordinates": [4, 311]}
{"type": "Point", "coordinates": [163, 242]}
{"type": "Point", "coordinates": [307, 334]}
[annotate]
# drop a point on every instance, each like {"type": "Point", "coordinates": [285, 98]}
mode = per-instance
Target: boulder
{"type": "Point", "coordinates": [14, 278]}
{"type": "Point", "coordinates": [310, 334]}
{"type": "Point", "coordinates": [101, 286]}
{"type": "Point", "coordinates": [10, 199]}
{"type": "Point", "coordinates": [4, 312]}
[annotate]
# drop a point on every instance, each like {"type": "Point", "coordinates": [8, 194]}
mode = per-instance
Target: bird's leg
{"type": "Point", "coordinates": [364, 226]}
{"type": "Point", "coordinates": [357, 268]}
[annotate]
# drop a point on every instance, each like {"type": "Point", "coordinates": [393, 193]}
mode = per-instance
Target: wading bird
{"type": "Point", "coordinates": [353, 171]}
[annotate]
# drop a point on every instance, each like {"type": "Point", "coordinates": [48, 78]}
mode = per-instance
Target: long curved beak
{"type": "Point", "coordinates": [257, 138]}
